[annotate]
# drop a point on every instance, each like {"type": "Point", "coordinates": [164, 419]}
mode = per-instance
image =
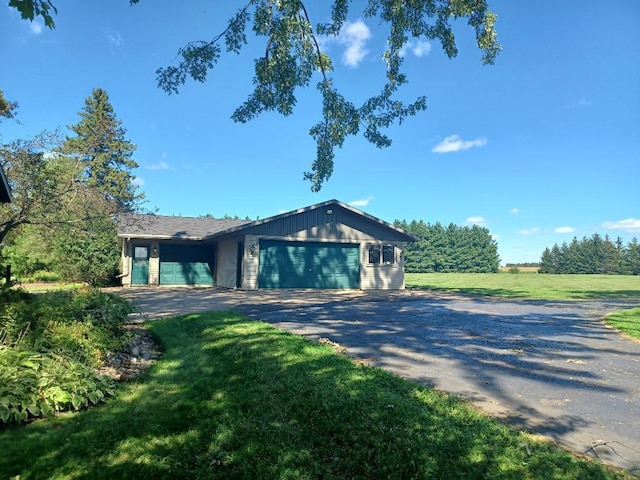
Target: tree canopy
{"type": "Point", "coordinates": [293, 58]}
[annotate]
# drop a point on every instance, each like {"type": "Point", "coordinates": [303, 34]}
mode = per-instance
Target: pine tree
{"type": "Point", "coordinates": [103, 152]}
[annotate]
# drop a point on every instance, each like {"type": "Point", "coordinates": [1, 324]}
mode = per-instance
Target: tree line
{"type": "Point", "coordinates": [449, 249]}
{"type": "Point", "coordinates": [593, 255]}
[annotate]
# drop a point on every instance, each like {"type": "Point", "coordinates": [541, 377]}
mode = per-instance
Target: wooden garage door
{"type": "Point", "coordinates": [186, 264]}
{"type": "Point", "coordinates": [308, 265]}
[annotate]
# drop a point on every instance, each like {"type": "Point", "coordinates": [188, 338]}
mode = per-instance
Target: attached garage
{"type": "Point", "coordinates": [308, 265]}
{"type": "Point", "coordinates": [186, 264]}
{"type": "Point", "coordinates": [330, 245]}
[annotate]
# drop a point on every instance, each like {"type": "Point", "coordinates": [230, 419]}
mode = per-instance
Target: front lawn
{"type": "Point", "coordinates": [529, 285]}
{"type": "Point", "coordinates": [236, 398]}
{"type": "Point", "coordinates": [628, 321]}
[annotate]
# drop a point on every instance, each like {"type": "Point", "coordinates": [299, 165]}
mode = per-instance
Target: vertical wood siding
{"type": "Point", "coordinates": [227, 263]}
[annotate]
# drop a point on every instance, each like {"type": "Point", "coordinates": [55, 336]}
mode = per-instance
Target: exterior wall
{"type": "Point", "coordinates": [251, 262]}
{"type": "Point", "coordinates": [154, 264]}
{"type": "Point", "coordinates": [226, 263]}
{"type": "Point", "coordinates": [381, 277]}
{"type": "Point", "coordinates": [125, 263]}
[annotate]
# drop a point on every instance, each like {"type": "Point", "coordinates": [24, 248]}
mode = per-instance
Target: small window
{"type": "Point", "coordinates": [388, 256]}
{"type": "Point", "coordinates": [140, 253]}
{"type": "Point", "coordinates": [374, 254]}
{"type": "Point", "coordinates": [382, 254]}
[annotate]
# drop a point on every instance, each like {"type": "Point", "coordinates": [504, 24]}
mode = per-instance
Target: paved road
{"type": "Point", "coordinates": [548, 367]}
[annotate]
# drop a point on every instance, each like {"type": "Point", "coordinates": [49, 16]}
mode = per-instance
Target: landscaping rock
{"type": "Point", "coordinates": [134, 358]}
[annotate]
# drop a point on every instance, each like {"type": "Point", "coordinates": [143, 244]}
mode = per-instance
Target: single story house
{"type": "Point", "coordinates": [328, 245]}
{"type": "Point", "coordinates": [5, 191]}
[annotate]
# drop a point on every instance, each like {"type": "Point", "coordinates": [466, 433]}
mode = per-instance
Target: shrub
{"type": "Point", "coordinates": [514, 270]}
{"type": "Point", "coordinates": [50, 346]}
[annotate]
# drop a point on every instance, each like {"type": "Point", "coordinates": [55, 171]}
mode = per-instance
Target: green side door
{"type": "Point", "coordinates": [186, 264]}
{"type": "Point", "coordinates": [308, 265]}
{"type": "Point", "coordinates": [140, 267]}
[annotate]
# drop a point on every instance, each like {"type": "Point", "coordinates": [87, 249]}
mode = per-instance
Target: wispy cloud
{"type": "Point", "coordinates": [564, 230]}
{"type": "Point", "coordinates": [115, 38]}
{"type": "Point", "coordinates": [419, 48]}
{"type": "Point", "coordinates": [161, 165]}
{"type": "Point", "coordinates": [630, 225]}
{"type": "Point", "coordinates": [353, 37]}
{"type": "Point", "coordinates": [453, 143]}
{"type": "Point", "coordinates": [35, 27]}
{"type": "Point", "coordinates": [514, 211]}
{"type": "Point", "coordinates": [581, 103]}
{"type": "Point", "coordinates": [138, 181]}
{"type": "Point", "coordinates": [475, 220]}
{"type": "Point", "coordinates": [530, 231]}
{"type": "Point", "coordinates": [361, 203]}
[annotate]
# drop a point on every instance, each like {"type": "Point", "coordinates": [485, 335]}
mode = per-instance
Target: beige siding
{"type": "Point", "coordinates": [226, 264]}
{"type": "Point", "coordinates": [125, 263]}
{"type": "Point", "coordinates": [381, 277]}
{"type": "Point", "coordinates": [250, 264]}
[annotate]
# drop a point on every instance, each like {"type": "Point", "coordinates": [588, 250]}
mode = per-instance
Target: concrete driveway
{"type": "Point", "coordinates": [551, 368]}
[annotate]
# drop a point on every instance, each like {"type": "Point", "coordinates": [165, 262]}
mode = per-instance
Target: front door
{"type": "Point", "coordinates": [140, 267]}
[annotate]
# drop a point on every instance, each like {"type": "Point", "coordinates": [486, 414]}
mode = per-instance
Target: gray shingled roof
{"type": "Point", "coordinates": [158, 226]}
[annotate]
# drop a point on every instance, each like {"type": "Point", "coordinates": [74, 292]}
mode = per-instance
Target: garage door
{"type": "Point", "coordinates": [308, 265]}
{"type": "Point", "coordinates": [186, 264]}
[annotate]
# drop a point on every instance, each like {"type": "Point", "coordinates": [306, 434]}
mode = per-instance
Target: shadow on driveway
{"type": "Point", "coordinates": [553, 368]}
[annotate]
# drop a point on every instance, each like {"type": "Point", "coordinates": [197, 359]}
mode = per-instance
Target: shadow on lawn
{"type": "Point", "coordinates": [548, 367]}
{"type": "Point", "coordinates": [234, 398]}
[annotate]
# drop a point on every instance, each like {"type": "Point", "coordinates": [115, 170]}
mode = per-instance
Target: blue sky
{"type": "Point", "coordinates": [539, 148]}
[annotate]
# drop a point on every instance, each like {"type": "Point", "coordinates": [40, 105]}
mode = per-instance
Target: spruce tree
{"type": "Point", "coordinates": [103, 152]}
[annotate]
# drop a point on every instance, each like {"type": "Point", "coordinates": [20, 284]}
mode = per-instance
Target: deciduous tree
{"type": "Point", "coordinates": [293, 58]}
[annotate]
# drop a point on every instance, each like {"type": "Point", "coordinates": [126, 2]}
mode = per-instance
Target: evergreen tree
{"type": "Point", "coordinates": [103, 153]}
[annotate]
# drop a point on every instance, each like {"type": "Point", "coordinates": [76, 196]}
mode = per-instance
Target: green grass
{"type": "Point", "coordinates": [236, 398]}
{"type": "Point", "coordinates": [536, 286]}
{"type": "Point", "coordinates": [627, 321]}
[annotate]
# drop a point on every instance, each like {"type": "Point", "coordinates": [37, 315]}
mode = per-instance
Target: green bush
{"type": "Point", "coordinates": [37, 385]}
{"type": "Point", "coordinates": [50, 346]}
{"type": "Point", "coordinates": [514, 270]}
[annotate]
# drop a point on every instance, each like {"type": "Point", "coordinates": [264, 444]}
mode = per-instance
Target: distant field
{"type": "Point", "coordinates": [522, 269]}
{"type": "Point", "coordinates": [539, 286]}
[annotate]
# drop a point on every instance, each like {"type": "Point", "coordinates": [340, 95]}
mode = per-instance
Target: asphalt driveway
{"type": "Point", "coordinates": [552, 368]}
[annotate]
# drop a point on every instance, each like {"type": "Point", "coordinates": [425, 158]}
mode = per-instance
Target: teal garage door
{"type": "Point", "coordinates": [186, 264]}
{"type": "Point", "coordinates": [308, 265]}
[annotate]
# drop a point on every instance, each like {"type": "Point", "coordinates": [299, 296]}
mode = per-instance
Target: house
{"type": "Point", "coordinates": [5, 191]}
{"type": "Point", "coordinates": [328, 245]}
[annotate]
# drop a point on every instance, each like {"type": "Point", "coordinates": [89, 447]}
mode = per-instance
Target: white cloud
{"type": "Point", "coordinates": [138, 181]}
{"type": "Point", "coordinates": [161, 165]}
{"type": "Point", "coordinates": [419, 48]}
{"type": "Point", "coordinates": [630, 225]}
{"type": "Point", "coordinates": [35, 27]}
{"type": "Point", "coordinates": [453, 143]}
{"type": "Point", "coordinates": [565, 230]}
{"type": "Point", "coordinates": [476, 220]}
{"type": "Point", "coordinates": [361, 203]}
{"type": "Point", "coordinates": [115, 38]}
{"type": "Point", "coordinates": [530, 231]}
{"type": "Point", "coordinates": [514, 211]}
{"type": "Point", "coordinates": [353, 36]}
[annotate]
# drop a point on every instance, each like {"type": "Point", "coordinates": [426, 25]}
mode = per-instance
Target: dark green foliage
{"type": "Point", "coordinates": [103, 151]}
{"type": "Point", "coordinates": [593, 255]}
{"type": "Point", "coordinates": [89, 254]}
{"type": "Point", "coordinates": [50, 346]}
{"type": "Point", "coordinates": [452, 249]}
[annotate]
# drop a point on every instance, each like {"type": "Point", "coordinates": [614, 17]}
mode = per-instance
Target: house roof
{"type": "Point", "coordinates": [5, 191]}
{"type": "Point", "coordinates": [329, 203]}
{"type": "Point", "coordinates": [163, 227]}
